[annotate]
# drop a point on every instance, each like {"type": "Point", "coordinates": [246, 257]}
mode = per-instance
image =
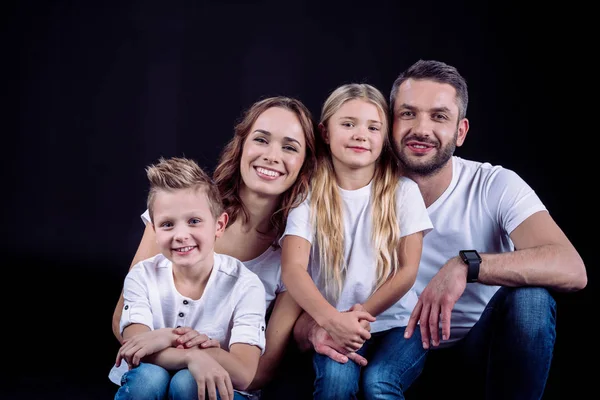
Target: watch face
{"type": "Point", "coordinates": [470, 255]}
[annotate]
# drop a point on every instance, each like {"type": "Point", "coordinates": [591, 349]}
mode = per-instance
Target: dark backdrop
{"type": "Point", "coordinates": [95, 91]}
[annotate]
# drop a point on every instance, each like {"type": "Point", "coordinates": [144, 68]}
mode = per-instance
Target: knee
{"type": "Point", "coordinates": [147, 381]}
{"type": "Point", "coordinates": [532, 309]}
{"type": "Point", "coordinates": [183, 386]}
{"type": "Point", "coordinates": [334, 380]}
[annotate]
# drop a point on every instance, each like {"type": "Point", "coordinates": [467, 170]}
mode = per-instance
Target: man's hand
{"type": "Point", "coordinates": [438, 298]}
{"type": "Point", "coordinates": [143, 344]}
{"type": "Point", "coordinates": [210, 376]}
{"type": "Point", "coordinates": [190, 337]}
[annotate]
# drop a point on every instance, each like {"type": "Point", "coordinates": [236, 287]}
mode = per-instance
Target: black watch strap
{"type": "Point", "coordinates": [473, 261]}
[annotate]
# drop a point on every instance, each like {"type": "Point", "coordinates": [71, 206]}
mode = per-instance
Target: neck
{"type": "Point", "coordinates": [352, 178]}
{"type": "Point", "coordinates": [196, 274]}
{"type": "Point", "coordinates": [433, 185]}
{"type": "Point", "coordinates": [259, 209]}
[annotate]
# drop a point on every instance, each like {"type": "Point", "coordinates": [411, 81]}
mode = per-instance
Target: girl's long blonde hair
{"type": "Point", "coordinates": [326, 205]}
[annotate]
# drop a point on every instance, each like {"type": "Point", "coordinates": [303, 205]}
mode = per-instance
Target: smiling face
{"type": "Point", "coordinates": [185, 227]}
{"type": "Point", "coordinates": [355, 135]}
{"type": "Point", "coordinates": [426, 127]}
{"type": "Point", "coordinates": [273, 153]}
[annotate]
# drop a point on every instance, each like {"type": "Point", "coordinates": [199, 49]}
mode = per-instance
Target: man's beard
{"type": "Point", "coordinates": [415, 166]}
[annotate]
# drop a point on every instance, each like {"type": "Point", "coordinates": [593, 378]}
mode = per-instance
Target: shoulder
{"type": "Point", "coordinates": [484, 172]}
{"type": "Point", "coordinates": [150, 265]}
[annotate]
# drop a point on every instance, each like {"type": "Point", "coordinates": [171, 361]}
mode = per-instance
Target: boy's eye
{"type": "Point", "coordinates": [166, 225]}
{"type": "Point", "coordinates": [195, 221]}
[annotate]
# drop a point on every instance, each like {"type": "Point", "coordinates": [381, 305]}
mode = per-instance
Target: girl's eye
{"type": "Point", "coordinates": [260, 140]}
{"type": "Point", "coordinates": [374, 128]}
{"type": "Point", "coordinates": [290, 148]}
{"type": "Point", "coordinates": [347, 124]}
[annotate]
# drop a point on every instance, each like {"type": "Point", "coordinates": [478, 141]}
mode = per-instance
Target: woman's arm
{"type": "Point", "coordinates": [409, 257]}
{"type": "Point", "coordinates": [146, 249]}
{"type": "Point", "coordinates": [345, 327]}
{"type": "Point", "coordinates": [279, 330]}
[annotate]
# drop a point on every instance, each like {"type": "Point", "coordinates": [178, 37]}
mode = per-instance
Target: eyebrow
{"type": "Point", "coordinates": [286, 138]}
{"type": "Point", "coordinates": [435, 109]}
{"type": "Point", "coordinates": [355, 119]}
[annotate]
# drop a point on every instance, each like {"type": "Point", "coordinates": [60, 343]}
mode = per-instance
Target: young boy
{"type": "Point", "coordinates": [188, 285]}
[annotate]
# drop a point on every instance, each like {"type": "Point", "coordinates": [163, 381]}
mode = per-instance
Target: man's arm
{"type": "Point", "coordinates": [543, 256]}
{"type": "Point", "coordinates": [146, 249]}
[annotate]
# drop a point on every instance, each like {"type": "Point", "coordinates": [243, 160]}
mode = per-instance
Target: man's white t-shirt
{"type": "Point", "coordinates": [267, 266]}
{"type": "Point", "coordinates": [230, 310]}
{"type": "Point", "coordinates": [478, 211]}
{"type": "Point", "coordinates": [358, 247]}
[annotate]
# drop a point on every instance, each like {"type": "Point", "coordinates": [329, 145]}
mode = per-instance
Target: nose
{"type": "Point", "coordinates": [423, 125]}
{"type": "Point", "coordinates": [360, 134]}
{"type": "Point", "coordinates": [181, 234]}
{"type": "Point", "coordinates": [271, 155]}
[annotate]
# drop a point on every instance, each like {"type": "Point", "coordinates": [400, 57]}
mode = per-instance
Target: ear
{"type": "Point", "coordinates": [463, 128]}
{"type": "Point", "coordinates": [221, 224]}
{"type": "Point", "coordinates": [324, 133]}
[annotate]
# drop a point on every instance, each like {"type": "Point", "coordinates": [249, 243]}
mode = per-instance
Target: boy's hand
{"type": "Point", "coordinates": [210, 376]}
{"type": "Point", "coordinates": [190, 337]}
{"type": "Point", "coordinates": [143, 344]}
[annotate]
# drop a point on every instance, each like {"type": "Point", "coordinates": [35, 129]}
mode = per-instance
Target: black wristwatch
{"type": "Point", "coordinates": [473, 261]}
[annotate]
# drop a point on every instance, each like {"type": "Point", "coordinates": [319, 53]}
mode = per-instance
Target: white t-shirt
{"type": "Point", "coordinates": [479, 210]}
{"type": "Point", "coordinates": [267, 266]}
{"type": "Point", "coordinates": [358, 247]}
{"type": "Point", "coordinates": [231, 309]}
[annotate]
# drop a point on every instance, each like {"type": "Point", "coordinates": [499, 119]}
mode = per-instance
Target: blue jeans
{"type": "Point", "coordinates": [506, 355]}
{"type": "Point", "coordinates": [151, 382]}
{"type": "Point", "coordinates": [386, 376]}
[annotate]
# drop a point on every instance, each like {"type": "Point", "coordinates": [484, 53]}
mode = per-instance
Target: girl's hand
{"type": "Point", "coordinates": [347, 331]}
{"type": "Point", "coordinates": [190, 338]}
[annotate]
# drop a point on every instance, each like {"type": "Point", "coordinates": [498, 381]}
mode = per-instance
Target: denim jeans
{"type": "Point", "coordinates": [151, 382]}
{"type": "Point", "coordinates": [386, 376]}
{"type": "Point", "coordinates": [506, 355]}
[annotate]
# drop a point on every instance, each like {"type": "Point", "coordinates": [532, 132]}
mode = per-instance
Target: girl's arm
{"type": "Point", "coordinates": [409, 256]}
{"type": "Point", "coordinates": [146, 249]}
{"type": "Point", "coordinates": [345, 327]}
{"type": "Point", "coordinates": [279, 330]}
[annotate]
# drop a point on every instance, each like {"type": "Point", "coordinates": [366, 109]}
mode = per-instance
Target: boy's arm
{"type": "Point", "coordinates": [284, 315]}
{"type": "Point", "coordinates": [146, 249]}
{"type": "Point", "coordinates": [409, 256]}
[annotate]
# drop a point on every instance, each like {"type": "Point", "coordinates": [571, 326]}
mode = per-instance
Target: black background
{"type": "Point", "coordinates": [94, 91]}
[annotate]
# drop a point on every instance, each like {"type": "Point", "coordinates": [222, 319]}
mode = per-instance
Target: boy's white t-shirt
{"type": "Point", "coordinates": [358, 247]}
{"type": "Point", "coordinates": [231, 309]}
{"type": "Point", "coordinates": [267, 266]}
{"type": "Point", "coordinates": [479, 210]}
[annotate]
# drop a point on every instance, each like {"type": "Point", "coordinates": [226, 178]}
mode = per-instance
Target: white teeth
{"type": "Point", "coordinates": [267, 172]}
{"type": "Point", "coordinates": [420, 146]}
{"type": "Point", "coordinates": [184, 249]}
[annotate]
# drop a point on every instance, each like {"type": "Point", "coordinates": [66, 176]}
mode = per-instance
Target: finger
{"type": "Point", "coordinates": [331, 353]}
{"type": "Point", "coordinates": [137, 357]}
{"type": "Point", "coordinates": [365, 324]}
{"type": "Point", "coordinates": [201, 388]}
{"type": "Point", "coordinates": [210, 343]}
{"type": "Point", "coordinates": [364, 334]}
{"type": "Point", "coordinates": [182, 330]}
{"type": "Point", "coordinates": [211, 389]}
{"type": "Point", "coordinates": [364, 315]}
{"type": "Point", "coordinates": [118, 360]}
{"type": "Point", "coordinates": [357, 358]}
{"type": "Point", "coordinates": [434, 324]}
{"type": "Point", "coordinates": [412, 321]}
{"type": "Point", "coordinates": [357, 307]}
{"type": "Point", "coordinates": [193, 338]}
{"type": "Point", "coordinates": [222, 389]}
{"type": "Point", "coordinates": [424, 326]}
{"type": "Point", "coordinates": [229, 386]}
{"type": "Point", "coordinates": [446, 318]}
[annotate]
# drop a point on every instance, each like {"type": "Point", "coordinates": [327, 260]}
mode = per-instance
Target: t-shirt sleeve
{"type": "Point", "coordinates": [509, 199]}
{"type": "Point", "coordinates": [298, 222]}
{"type": "Point", "coordinates": [136, 307]}
{"type": "Point", "coordinates": [249, 314]}
{"type": "Point", "coordinates": [412, 213]}
{"type": "Point", "coordinates": [146, 217]}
